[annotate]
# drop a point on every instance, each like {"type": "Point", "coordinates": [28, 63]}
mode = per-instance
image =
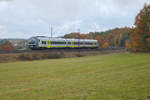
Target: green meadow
{"type": "Point", "coordinates": [104, 77]}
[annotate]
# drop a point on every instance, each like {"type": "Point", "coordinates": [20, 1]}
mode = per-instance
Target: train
{"type": "Point", "coordinates": [43, 42]}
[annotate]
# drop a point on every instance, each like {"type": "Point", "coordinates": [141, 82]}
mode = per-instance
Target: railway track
{"type": "Point", "coordinates": [61, 50]}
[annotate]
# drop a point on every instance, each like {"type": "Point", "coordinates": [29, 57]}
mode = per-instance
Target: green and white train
{"type": "Point", "coordinates": [42, 42]}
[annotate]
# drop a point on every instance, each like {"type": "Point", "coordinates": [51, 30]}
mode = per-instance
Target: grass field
{"type": "Point", "coordinates": [105, 77]}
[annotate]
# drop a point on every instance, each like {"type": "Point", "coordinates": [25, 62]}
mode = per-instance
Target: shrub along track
{"type": "Point", "coordinates": [60, 50]}
{"type": "Point", "coordinates": [53, 54]}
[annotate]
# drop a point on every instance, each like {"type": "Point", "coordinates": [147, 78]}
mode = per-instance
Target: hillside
{"type": "Point", "coordinates": [114, 37]}
{"type": "Point", "coordinates": [125, 77]}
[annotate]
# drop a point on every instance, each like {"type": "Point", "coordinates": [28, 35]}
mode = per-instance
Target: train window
{"type": "Point", "coordinates": [58, 42]}
{"type": "Point", "coordinates": [81, 43]}
{"type": "Point", "coordinates": [87, 43]}
{"type": "Point", "coordinates": [43, 42]}
{"type": "Point", "coordinates": [31, 42]}
{"type": "Point", "coordinates": [76, 43]}
{"type": "Point", "coordinates": [69, 42]}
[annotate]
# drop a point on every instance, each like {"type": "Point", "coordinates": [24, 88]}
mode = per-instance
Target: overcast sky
{"type": "Point", "coordinates": [26, 18]}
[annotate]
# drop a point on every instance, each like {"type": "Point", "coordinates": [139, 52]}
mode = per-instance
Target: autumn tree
{"type": "Point", "coordinates": [140, 37]}
{"type": "Point", "coordinates": [7, 46]}
{"type": "Point", "coordinates": [100, 40]}
{"type": "Point", "coordinates": [127, 44]}
{"type": "Point", "coordinates": [106, 45]}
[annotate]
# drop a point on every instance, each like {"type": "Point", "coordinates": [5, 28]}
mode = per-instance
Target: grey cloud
{"type": "Point", "coordinates": [25, 18]}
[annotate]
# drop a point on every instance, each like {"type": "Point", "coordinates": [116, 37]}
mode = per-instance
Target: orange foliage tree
{"type": "Point", "coordinates": [140, 37]}
{"type": "Point", "coordinates": [100, 41]}
{"type": "Point", "coordinates": [127, 44]}
{"type": "Point", "coordinates": [7, 46]}
{"type": "Point", "coordinates": [106, 45]}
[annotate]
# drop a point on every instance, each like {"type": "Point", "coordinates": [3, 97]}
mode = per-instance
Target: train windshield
{"type": "Point", "coordinates": [32, 41]}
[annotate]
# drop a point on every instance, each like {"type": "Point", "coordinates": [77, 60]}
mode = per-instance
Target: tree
{"type": "Point", "coordinates": [105, 45]}
{"type": "Point", "coordinates": [100, 41]}
{"type": "Point", "coordinates": [141, 34]}
{"type": "Point", "coordinates": [7, 46]}
{"type": "Point", "coordinates": [127, 44]}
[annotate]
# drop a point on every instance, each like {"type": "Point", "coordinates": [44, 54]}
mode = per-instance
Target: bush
{"type": "Point", "coordinates": [7, 46]}
{"type": "Point", "coordinates": [26, 57]}
{"type": "Point", "coordinates": [80, 55]}
{"type": "Point", "coordinates": [38, 56]}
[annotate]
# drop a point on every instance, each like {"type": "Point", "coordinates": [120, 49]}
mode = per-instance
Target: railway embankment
{"type": "Point", "coordinates": [53, 54]}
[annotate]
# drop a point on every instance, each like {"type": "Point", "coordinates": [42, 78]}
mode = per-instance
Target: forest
{"type": "Point", "coordinates": [112, 38]}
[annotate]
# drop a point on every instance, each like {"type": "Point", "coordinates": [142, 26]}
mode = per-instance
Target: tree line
{"type": "Point", "coordinates": [111, 38]}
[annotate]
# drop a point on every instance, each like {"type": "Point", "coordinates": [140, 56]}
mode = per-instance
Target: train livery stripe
{"type": "Point", "coordinates": [49, 44]}
{"type": "Point", "coordinates": [72, 44]}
